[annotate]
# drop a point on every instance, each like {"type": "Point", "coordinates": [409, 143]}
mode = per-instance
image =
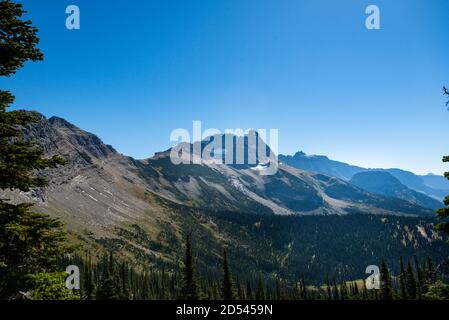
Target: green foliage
{"type": "Point", "coordinates": [386, 286]}
{"type": "Point", "coordinates": [249, 291]}
{"type": "Point", "coordinates": [108, 288]}
{"type": "Point", "coordinates": [328, 289]}
{"type": "Point", "coordinates": [273, 235]}
{"type": "Point", "coordinates": [18, 158]}
{"type": "Point", "coordinates": [402, 280]}
{"type": "Point", "coordinates": [161, 284]}
{"type": "Point", "coordinates": [344, 294]}
{"type": "Point", "coordinates": [437, 291]}
{"type": "Point", "coordinates": [260, 293]}
{"type": "Point", "coordinates": [419, 279]}
{"type": "Point", "coordinates": [89, 286]}
{"type": "Point", "coordinates": [50, 286]}
{"type": "Point", "coordinates": [29, 242]}
{"type": "Point", "coordinates": [227, 289]}
{"type": "Point", "coordinates": [190, 289]}
{"type": "Point", "coordinates": [410, 283]}
{"type": "Point", "coordinates": [336, 293]}
{"type": "Point", "coordinates": [443, 213]}
{"type": "Point", "coordinates": [18, 39]}
{"type": "Point", "coordinates": [429, 273]}
{"type": "Point", "coordinates": [285, 245]}
{"type": "Point", "coordinates": [125, 293]}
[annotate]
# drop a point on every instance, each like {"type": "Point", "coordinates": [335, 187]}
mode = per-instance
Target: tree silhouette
{"type": "Point", "coordinates": [402, 280]}
{"type": "Point", "coordinates": [227, 290]}
{"type": "Point", "coordinates": [260, 293]}
{"type": "Point", "coordinates": [386, 286]}
{"type": "Point", "coordinates": [443, 213]}
{"type": "Point", "coordinates": [410, 282]}
{"type": "Point", "coordinates": [446, 93]}
{"type": "Point", "coordinates": [189, 289]}
{"type": "Point", "coordinates": [109, 284]}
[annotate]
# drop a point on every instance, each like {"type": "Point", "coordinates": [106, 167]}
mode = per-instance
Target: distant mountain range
{"type": "Point", "coordinates": [110, 185]}
{"type": "Point", "coordinates": [433, 186]}
{"type": "Point", "coordinates": [384, 183]}
{"type": "Point", "coordinates": [298, 220]}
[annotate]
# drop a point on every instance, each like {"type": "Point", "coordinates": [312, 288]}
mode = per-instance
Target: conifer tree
{"type": "Point", "coordinates": [430, 272]}
{"type": "Point", "coordinates": [30, 242]}
{"type": "Point", "coordinates": [336, 294]}
{"type": "Point", "coordinates": [356, 291]}
{"type": "Point", "coordinates": [216, 290]}
{"type": "Point", "coordinates": [365, 294]}
{"type": "Point", "coordinates": [109, 283]}
{"type": "Point", "coordinates": [240, 291]}
{"type": "Point", "coordinates": [328, 289]}
{"type": "Point", "coordinates": [446, 93]}
{"type": "Point", "coordinates": [125, 293]}
{"type": "Point", "coordinates": [303, 288]}
{"type": "Point", "coordinates": [386, 286]}
{"type": "Point", "coordinates": [89, 284]}
{"type": "Point", "coordinates": [402, 280]}
{"type": "Point", "coordinates": [249, 291]}
{"type": "Point", "coordinates": [145, 289]}
{"type": "Point", "coordinates": [419, 279]}
{"type": "Point", "coordinates": [278, 290]}
{"type": "Point", "coordinates": [260, 293]}
{"type": "Point", "coordinates": [19, 39]}
{"type": "Point", "coordinates": [227, 287]}
{"type": "Point", "coordinates": [190, 290]}
{"type": "Point", "coordinates": [443, 213]}
{"type": "Point", "coordinates": [410, 282]}
{"type": "Point", "coordinates": [344, 295]}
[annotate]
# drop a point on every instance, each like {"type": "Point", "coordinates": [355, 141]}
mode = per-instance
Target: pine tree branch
{"type": "Point", "coordinates": [446, 92]}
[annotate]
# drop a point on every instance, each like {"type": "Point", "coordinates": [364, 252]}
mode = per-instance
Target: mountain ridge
{"type": "Point", "coordinates": [289, 191]}
{"type": "Point", "coordinates": [384, 183]}
{"type": "Point", "coordinates": [272, 224]}
{"type": "Point", "coordinates": [322, 164]}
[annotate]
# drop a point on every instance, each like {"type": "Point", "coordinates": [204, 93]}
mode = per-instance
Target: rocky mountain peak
{"type": "Point", "coordinates": [58, 136]}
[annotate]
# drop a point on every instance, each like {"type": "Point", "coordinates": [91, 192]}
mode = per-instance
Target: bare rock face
{"type": "Point", "coordinates": [56, 136]}
{"type": "Point", "coordinates": [108, 200]}
{"type": "Point", "coordinates": [97, 189]}
{"type": "Point", "coordinates": [100, 189]}
{"type": "Point", "coordinates": [107, 187]}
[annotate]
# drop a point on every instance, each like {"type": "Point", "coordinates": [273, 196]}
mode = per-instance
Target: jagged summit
{"type": "Point", "coordinates": [59, 121]}
{"type": "Point", "coordinates": [142, 208]}
{"type": "Point", "coordinates": [58, 135]}
{"type": "Point", "coordinates": [211, 185]}
{"type": "Point", "coordinates": [299, 154]}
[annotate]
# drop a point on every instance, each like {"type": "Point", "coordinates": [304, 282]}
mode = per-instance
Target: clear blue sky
{"type": "Point", "coordinates": [139, 69]}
